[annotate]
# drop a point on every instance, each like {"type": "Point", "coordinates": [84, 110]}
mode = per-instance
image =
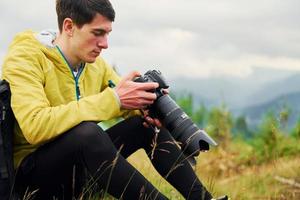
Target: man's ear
{"type": "Point", "coordinates": [68, 26]}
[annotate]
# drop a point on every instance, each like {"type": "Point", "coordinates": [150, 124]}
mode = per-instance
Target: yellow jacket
{"type": "Point", "coordinates": [44, 98]}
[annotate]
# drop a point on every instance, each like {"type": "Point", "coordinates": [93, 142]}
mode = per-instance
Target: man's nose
{"type": "Point", "coordinates": [103, 42]}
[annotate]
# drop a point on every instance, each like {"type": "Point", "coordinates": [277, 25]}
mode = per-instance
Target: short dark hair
{"type": "Point", "coordinates": [83, 11]}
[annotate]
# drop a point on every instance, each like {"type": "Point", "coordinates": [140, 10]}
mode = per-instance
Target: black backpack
{"type": "Point", "coordinates": [7, 120]}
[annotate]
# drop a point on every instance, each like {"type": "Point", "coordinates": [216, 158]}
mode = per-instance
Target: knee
{"type": "Point", "coordinates": [89, 136]}
{"type": "Point", "coordinates": [86, 131]}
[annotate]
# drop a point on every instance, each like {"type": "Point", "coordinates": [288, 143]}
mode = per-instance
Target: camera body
{"type": "Point", "coordinates": [191, 139]}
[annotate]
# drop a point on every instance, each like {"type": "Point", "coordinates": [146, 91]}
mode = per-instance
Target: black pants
{"type": "Point", "coordinates": [57, 168]}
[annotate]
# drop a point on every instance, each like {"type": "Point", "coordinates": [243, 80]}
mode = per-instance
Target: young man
{"type": "Point", "coordinates": [61, 89]}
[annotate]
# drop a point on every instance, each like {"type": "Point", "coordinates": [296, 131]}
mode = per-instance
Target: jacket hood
{"type": "Point", "coordinates": [37, 43]}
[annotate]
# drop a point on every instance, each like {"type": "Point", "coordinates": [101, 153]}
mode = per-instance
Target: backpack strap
{"type": "Point", "coordinates": [4, 92]}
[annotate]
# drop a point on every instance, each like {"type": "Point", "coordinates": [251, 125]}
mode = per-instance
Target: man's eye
{"type": "Point", "coordinates": [100, 33]}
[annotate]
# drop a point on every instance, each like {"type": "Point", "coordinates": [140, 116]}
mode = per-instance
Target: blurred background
{"type": "Point", "coordinates": [234, 66]}
{"type": "Point", "coordinates": [242, 53]}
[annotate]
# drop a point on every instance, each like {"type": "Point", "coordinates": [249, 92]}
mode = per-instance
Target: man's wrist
{"type": "Point", "coordinates": [117, 97]}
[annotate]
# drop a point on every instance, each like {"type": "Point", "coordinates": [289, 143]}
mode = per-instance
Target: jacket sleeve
{"type": "Point", "coordinates": [113, 76]}
{"type": "Point", "coordinates": [38, 120]}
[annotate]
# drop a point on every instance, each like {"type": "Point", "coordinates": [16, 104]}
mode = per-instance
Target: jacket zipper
{"type": "Point", "coordinates": [76, 78]}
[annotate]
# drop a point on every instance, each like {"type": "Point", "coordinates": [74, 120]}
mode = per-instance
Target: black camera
{"type": "Point", "coordinates": [182, 128]}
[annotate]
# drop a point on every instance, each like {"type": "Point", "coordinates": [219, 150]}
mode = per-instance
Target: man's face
{"type": "Point", "coordinates": [89, 40]}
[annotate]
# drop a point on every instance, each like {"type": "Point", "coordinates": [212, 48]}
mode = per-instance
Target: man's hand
{"type": "Point", "coordinates": [134, 95]}
{"type": "Point", "coordinates": [149, 121]}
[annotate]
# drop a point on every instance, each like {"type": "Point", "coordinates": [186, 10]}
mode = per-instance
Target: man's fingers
{"type": "Point", "coordinates": [135, 95]}
{"type": "Point", "coordinates": [148, 95]}
{"type": "Point", "coordinates": [152, 121]}
{"type": "Point", "coordinates": [132, 75]}
{"type": "Point", "coordinates": [166, 91]}
{"type": "Point", "coordinates": [148, 85]}
{"type": "Point", "coordinates": [149, 120]}
{"type": "Point", "coordinates": [157, 123]}
{"type": "Point", "coordinates": [145, 124]}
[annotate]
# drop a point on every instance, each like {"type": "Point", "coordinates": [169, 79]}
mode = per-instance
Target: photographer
{"type": "Point", "coordinates": [61, 89]}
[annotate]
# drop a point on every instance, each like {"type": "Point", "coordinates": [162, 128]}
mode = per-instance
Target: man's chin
{"type": "Point", "coordinates": [91, 60]}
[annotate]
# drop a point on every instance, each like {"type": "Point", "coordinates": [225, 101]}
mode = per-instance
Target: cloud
{"type": "Point", "coordinates": [17, 16]}
{"type": "Point", "coordinates": [224, 38]}
{"type": "Point", "coordinates": [191, 38]}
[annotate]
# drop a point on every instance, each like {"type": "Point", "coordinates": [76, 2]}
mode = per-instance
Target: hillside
{"type": "Point", "coordinates": [251, 97]}
{"type": "Point", "coordinates": [239, 93]}
{"type": "Point", "coordinates": [254, 114]}
{"type": "Point", "coordinates": [222, 175]}
{"type": "Point", "coordinates": [277, 89]}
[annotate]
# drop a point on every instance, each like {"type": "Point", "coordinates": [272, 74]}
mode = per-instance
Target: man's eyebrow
{"type": "Point", "coordinates": [101, 30]}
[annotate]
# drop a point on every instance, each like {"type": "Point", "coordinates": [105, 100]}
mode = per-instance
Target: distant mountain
{"type": "Point", "coordinates": [277, 89]}
{"type": "Point", "coordinates": [291, 101]}
{"type": "Point", "coordinates": [252, 96]}
{"type": "Point", "coordinates": [237, 93]}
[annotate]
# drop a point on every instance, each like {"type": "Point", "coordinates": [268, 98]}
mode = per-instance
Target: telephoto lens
{"type": "Point", "coordinates": [182, 128]}
{"type": "Point", "coordinates": [179, 124]}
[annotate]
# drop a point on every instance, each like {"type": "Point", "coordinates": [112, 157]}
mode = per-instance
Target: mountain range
{"type": "Point", "coordinates": [251, 96]}
{"type": "Point", "coordinates": [286, 103]}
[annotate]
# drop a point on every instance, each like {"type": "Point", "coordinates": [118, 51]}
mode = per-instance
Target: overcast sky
{"type": "Point", "coordinates": [194, 38]}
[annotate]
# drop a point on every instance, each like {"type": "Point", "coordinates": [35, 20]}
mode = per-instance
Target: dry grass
{"type": "Point", "coordinates": [253, 181]}
{"type": "Point", "coordinates": [227, 172]}
{"type": "Point", "coordinates": [143, 164]}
